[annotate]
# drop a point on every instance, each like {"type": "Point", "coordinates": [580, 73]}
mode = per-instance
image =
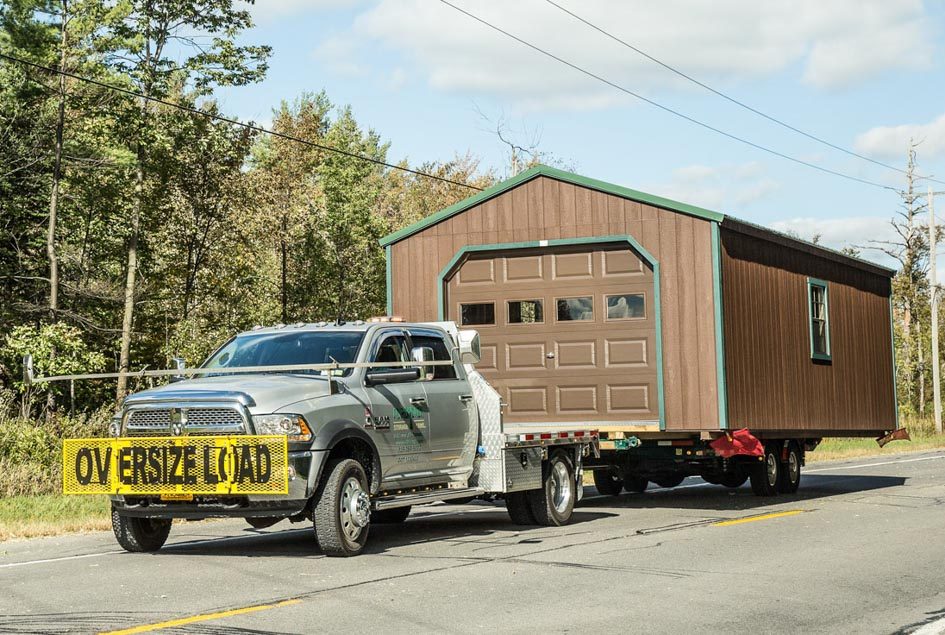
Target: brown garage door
{"type": "Point", "coordinates": [568, 333]}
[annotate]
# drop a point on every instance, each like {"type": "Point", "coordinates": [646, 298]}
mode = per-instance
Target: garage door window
{"type": "Point", "coordinates": [626, 306]}
{"type": "Point", "coordinates": [575, 309]}
{"type": "Point", "coordinates": [526, 312]}
{"type": "Point", "coordinates": [480, 314]}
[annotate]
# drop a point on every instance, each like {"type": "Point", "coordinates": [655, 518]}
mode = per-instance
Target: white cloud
{"type": "Point", "coordinates": [726, 188]}
{"type": "Point", "coordinates": [837, 43]}
{"type": "Point", "coordinates": [837, 233]}
{"type": "Point", "coordinates": [893, 141]}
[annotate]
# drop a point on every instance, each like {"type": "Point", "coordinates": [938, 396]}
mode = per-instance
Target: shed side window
{"type": "Point", "coordinates": [526, 312]}
{"type": "Point", "coordinates": [479, 314]}
{"type": "Point", "coordinates": [819, 309]}
{"type": "Point", "coordinates": [575, 309]}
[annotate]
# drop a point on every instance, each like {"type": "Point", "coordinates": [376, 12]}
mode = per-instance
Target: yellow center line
{"type": "Point", "coordinates": [751, 519]}
{"type": "Point", "coordinates": [145, 628]}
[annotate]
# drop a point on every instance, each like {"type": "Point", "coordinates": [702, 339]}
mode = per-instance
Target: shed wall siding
{"type": "Point", "coordinates": [544, 209]}
{"type": "Point", "coordinates": [772, 382]}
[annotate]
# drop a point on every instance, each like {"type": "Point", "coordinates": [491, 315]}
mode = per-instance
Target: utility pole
{"type": "Point", "coordinates": [933, 292]}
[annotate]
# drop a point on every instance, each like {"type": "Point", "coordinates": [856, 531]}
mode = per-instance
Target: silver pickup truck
{"type": "Point", "coordinates": [341, 425]}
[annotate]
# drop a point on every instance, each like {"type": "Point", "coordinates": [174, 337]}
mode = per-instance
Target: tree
{"type": "Point", "coordinates": [150, 27]}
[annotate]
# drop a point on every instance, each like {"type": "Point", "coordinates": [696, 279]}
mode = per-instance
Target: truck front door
{"type": "Point", "coordinates": [399, 419]}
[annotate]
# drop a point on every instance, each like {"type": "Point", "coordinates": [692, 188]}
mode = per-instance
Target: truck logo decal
{"type": "Point", "coordinates": [177, 422]}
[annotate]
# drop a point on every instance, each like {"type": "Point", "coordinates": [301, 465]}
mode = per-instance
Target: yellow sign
{"type": "Point", "coordinates": [176, 466]}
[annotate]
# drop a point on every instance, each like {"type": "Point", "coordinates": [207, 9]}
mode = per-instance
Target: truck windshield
{"type": "Point", "coordinates": [284, 349]}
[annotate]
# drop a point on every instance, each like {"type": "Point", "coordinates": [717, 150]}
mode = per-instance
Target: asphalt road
{"type": "Point", "coordinates": [860, 549]}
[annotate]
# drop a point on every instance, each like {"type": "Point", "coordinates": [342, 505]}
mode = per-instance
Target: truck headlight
{"type": "Point", "coordinates": [114, 428]}
{"type": "Point", "coordinates": [293, 426]}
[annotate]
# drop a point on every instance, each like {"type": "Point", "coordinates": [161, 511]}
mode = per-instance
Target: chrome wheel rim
{"type": "Point", "coordinates": [794, 466]}
{"type": "Point", "coordinates": [772, 469]}
{"type": "Point", "coordinates": [355, 508]}
{"type": "Point", "coordinates": [560, 487]}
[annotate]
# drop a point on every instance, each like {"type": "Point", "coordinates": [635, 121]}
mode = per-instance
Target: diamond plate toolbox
{"type": "Point", "coordinates": [162, 466]}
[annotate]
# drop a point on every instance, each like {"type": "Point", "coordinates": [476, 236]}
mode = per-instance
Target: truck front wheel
{"type": "Point", "coordinates": [342, 509]}
{"type": "Point", "coordinates": [139, 535]}
{"type": "Point", "coordinates": [553, 504]}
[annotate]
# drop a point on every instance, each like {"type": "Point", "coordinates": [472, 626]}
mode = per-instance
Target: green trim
{"type": "Point", "coordinates": [892, 344]}
{"type": "Point", "coordinates": [464, 252]}
{"type": "Point", "coordinates": [390, 280]}
{"type": "Point", "coordinates": [719, 327]}
{"type": "Point", "coordinates": [816, 282]}
{"type": "Point", "coordinates": [560, 175]}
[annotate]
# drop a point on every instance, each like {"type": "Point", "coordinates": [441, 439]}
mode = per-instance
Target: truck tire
{"type": "Point", "coordinates": [766, 474]}
{"type": "Point", "coordinates": [635, 484]}
{"type": "Point", "coordinates": [790, 478]}
{"type": "Point", "coordinates": [139, 535]}
{"type": "Point", "coordinates": [553, 504]}
{"type": "Point", "coordinates": [670, 481]}
{"type": "Point", "coordinates": [390, 516]}
{"type": "Point", "coordinates": [342, 510]}
{"type": "Point", "coordinates": [608, 482]}
{"type": "Point", "coordinates": [516, 503]}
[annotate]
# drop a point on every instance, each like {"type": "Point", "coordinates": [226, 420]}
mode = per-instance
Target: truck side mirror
{"type": "Point", "coordinates": [424, 354]}
{"type": "Point", "coordinates": [394, 376]}
{"type": "Point", "coordinates": [470, 348]}
{"type": "Point", "coordinates": [180, 364]}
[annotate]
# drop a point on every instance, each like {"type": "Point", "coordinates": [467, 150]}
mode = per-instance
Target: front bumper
{"type": "Point", "coordinates": [307, 466]}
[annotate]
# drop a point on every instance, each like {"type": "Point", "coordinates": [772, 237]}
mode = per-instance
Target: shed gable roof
{"type": "Point", "coordinates": [560, 175]}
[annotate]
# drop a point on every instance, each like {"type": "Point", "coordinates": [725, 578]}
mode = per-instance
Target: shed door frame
{"type": "Point", "coordinates": [462, 255]}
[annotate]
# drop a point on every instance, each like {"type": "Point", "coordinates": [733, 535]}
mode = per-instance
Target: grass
{"type": "Point", "coordinates": [52, 514]}
{"type": "Point", "coordinates": [846, 448]}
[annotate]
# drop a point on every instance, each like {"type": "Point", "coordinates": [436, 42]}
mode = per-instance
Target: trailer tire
{"type": "Point", "coordinates": [790, 477]}
{"type": "Point", "coordinates": [516, 503]}
{"type": "Point", "coordinates": [140, 535]}
{"type": "Point", "coordinates": [734, 479]}
{"type": "Point", "coordinates": [766, 474]}
{"type": "Point", "coordinates": [390, 516]}
{"type": "Point", "coordinates": [553, 504]}
{"type": "Point", "coordinates": [635, 484]}
{"type": "Point", "coordinates": [608, 482]}
{"type": "Point", "coordinates": [342, 509]}
{"type": "Point", "coordinates": [670, 481]}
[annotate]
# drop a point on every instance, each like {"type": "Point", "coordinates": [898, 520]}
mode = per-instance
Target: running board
{"type": "Point", "coordinates": [406, 500]}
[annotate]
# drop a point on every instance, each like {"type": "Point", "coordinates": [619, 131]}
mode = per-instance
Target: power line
{"type": "Point", "coordinates": [667, 108]}
{"type": "Point", "coordinates": [730, 98]}
{"type": "Point", "coordinates": [234, 122]}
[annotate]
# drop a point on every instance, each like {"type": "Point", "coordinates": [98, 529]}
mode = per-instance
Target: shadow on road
{"type": "Point", "coordinates": [697, 494]}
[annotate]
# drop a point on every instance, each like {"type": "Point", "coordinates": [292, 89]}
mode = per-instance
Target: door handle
{"type": "Point", "coordinates": [465, 398]}
{"type": "Point", "coordinates": [419, 402]}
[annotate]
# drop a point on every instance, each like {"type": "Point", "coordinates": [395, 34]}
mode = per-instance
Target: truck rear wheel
{"type": "Point", "coordinates": [390, 516]}
{"type": "Point", "coordinates": [790, 478]}
{"type": "Point", "coordinates": [342, 509]}
{"type": "Point", "coordinates": [766, 474]}
{"type": "Point", "coordinates": [553, 504]}
{"type": "Point", "coordinates": [139, 535]}
{"type": "Point", "coordinates": [608, 482]}
{"type": "Point", "coordinates": [519, 510]}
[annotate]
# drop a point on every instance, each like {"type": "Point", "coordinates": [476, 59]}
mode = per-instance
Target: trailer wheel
{"type": "Point", "coordinates": [608, 482]}
{"type": "Point", "coordinates": [519, 510]}
{"type": "Point", "coordinates": [766, 474]}
{"type": "Point", "coordinates": [342, 509]}
{"type": "Point", "coordinates": [139, 535]}
{"type": "Point", "coordinates": [670, 481]}
{"type": "Point", "coordinates": [635, 484]}
{"type": "Point", "coordinates": [390, 516]}
{"type": "Point", "coordinates": [734, 479]}
{"type": "Point", "coordinates": [790, 478]}
{"type": "Point", "coordinates": [553, 504]}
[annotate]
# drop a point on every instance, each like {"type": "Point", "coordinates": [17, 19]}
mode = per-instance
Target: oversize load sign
{"type": "Point", "coordinates": [238, 464]}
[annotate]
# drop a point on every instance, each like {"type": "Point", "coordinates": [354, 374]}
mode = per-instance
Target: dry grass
{"type": "Point", "coordinates": [841, 448]}
{"type": "Point", "coordinates": [51, 515]}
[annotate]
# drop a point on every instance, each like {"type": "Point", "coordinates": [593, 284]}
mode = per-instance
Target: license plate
{"type": "Point", "coordinates": [176, 466]}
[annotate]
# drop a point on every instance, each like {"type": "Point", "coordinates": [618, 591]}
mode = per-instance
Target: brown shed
{"type": "Point", "coordinates": [601, 305]}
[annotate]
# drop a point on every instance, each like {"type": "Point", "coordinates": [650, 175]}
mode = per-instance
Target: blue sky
{"type": "Point", "coordinates": [864, 74]}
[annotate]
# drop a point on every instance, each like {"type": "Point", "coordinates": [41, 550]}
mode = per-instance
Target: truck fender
{"type": "Point", "coordinates": [336, 432]}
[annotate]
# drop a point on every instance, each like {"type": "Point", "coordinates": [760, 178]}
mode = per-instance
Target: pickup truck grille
{"type": "Point", "coordinates": [191, 421]}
